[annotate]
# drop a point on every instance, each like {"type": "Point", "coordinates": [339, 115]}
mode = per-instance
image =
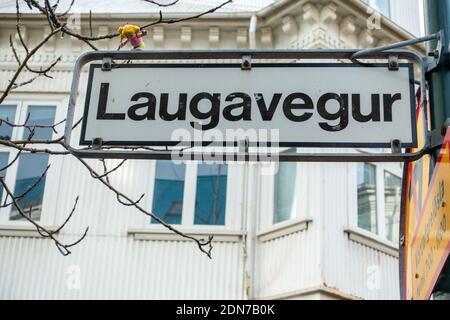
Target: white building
{"type": "Point", "coordinates": [313, 231]}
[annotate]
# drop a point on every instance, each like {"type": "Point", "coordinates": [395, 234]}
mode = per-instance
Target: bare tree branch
{"type": "Point", "coordinates": [205, 246]}
{"type": "Point", "coordinates": [162, 4]}
{"type": "Point", "coordinates": [63, 248]}
{"type": "Point", "coordinates": [24, 62]}
{"type": "Point", "coordinates": [57, 23]}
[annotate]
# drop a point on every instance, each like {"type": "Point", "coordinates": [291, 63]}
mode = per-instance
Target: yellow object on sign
{"type": "Point", "coordinates": [430, 244]}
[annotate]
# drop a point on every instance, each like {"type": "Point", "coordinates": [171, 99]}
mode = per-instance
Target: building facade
{"type": "Point", "coordinates": [312, 231]}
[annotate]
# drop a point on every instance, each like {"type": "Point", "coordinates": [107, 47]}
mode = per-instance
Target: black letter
{"type": "Point", "coordinates": [388, 101]}
{"type": "Point", "coordinates": [246, 105]}
{"type": "Point", "coordinates": [101, 111]}
{"type": "Point", "coordinates": [267, 114]}
{"type": "Point", "coordinates": [213, 113]}
{"type": "Point", "coordinates": [150, 104]}
{"type": "Point", "coordinates": [374, 115]}
{"type": "Point", "coordinates": [179, 115]}
{"type": "Point", "coordinates": [342, 114]}
{"type": "Point", "coordinates": [288, 106]}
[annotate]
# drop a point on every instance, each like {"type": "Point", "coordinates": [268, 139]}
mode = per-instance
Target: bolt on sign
{"type": "Point", "coordinates": [324, 105]}
{"type": "Point", "coordinates": [430, 240]}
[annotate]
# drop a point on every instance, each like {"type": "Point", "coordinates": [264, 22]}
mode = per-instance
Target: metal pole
{"type": "Point", "coordinates": [437, 17]}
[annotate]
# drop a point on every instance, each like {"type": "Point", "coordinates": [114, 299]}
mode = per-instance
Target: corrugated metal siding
{"type": "Point", "coordinates": [292, 262]}
{"type": "Point", "coordinates": [287, 264]}
{"type": "Point", "coordinates": [98, 207]}
{"type": "Point", "coordinates": [347, 263]}
{"type": "Point", "coordinates": [406, 14]}
{"type": "Point", "coordinates": [119, 268]}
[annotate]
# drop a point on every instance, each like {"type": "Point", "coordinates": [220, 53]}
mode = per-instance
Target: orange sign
{"type": "Point", "coordinates": [417, 187]}
{"type": "Point", "coordinates": [430, 244]}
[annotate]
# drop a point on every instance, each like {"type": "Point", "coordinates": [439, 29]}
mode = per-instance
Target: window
{"type": "Point", "coordinates": [211, 194]}
{"type": "Point", "coordinates": [42, 116]}
{"type": "Point", "coordinates": [190, 194]}
{"type": "Point", "coordinates": [28, 169]}
{"type": "Point", "coordinates": [378, 197]}
{"type": "Point", "coordinates": [169, 191]}
{"type": "Point", "coordinates": [285, 192]}
{"type": "Point", "coordinates": [31, 167]}
{"type": "Point", "coordinates": [382, 6]}
{"type": "Point", "coordinates": [367, 198]}
{"type": "Point", "coordinates": [3, 163]}
{"type": "Point", "coordinates": [8, 113]}
{"type": "Point", "coordinates": [392, 198]}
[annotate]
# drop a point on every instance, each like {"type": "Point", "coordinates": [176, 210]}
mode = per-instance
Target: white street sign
{"type": "Point", "coordinates": [324, 105]}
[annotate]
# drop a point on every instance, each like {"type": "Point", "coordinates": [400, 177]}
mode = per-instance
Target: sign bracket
{"type": "Point", "coordinates": [107, 64]}
{"type": "Point", "coordinates": [246, 63]}
{"type": "Point", "coordinates": [436, 137]}
{"type": "Point", "coordinates": [396, 146]}
{"type": "Point", "coordinates": [393, 63]}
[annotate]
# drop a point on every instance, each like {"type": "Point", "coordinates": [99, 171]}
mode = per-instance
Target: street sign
{"type": "Point", "coordinates": [293, 105]}
{"type": "Point", "coordinates": [430, 242]}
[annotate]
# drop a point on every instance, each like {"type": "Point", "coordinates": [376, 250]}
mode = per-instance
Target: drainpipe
{"type": "Point", "coordinates": [252, 32]}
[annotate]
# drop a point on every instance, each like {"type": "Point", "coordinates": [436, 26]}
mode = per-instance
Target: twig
{"type": "Point", "coordinates": [63, 248]}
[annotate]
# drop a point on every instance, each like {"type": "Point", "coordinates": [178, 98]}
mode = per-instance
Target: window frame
{"type": "Point", "coordinates": [53, 177]}
{"type": "Point", "coordinates": [233, 199]}
{"type": "Point", "coordinates": [392, 168]}
{"type": "Point", "coordinates": [267, 202]}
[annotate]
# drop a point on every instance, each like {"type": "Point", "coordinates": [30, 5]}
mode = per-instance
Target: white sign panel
{"type": "Point", "coordinates": [324, 105]}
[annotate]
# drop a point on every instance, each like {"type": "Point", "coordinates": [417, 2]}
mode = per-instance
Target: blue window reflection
{"type": "Point", "coordinates": [285, 192]}
{"type": "Point", "coordinates": [31, 167]}
{"type": "Point", "coordinates": [169, 191]}
{"type": "Point", "coordinates": [3, 162]}
{"type": "Point", "coordinates": [211, 194]}
{"type": "Point", "coordinates": [8, 113]}
{"type": "Point", "coordinates": [43, 116]}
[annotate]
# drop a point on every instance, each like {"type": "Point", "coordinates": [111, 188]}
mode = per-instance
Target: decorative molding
{"type": "Point", "coordinates": [366, 39]}
{"type": "Point", "coordinates": [348, 25]}
{"type": "Point", "coordinates": [214, 35]}
{"type": "Point", "coordinates": [158, 36]}
{"type": "Point", "coordinates": [383, 42]}
{"type": "Point", "coordinates": [76, 44]}
{"type": "Point", "coordinates": [186, 36]}
{"type": "Point", "coordinates": [348, 32]}
{"type": "Point", "coordinates": [242, 37]}
{"type": "Point", "coordinates": [266, 36]}
{"type": "Point", "coordinates": [288, 24]}
{"type": "Point", "coordinates": [50, 44]}
{"type": "Point", "coordinates": [328, 13]}
{"type": "Point", "coordinates": [319, 38]}
{"type": "Point", "coordinates": [24, 33]}
{"type": "Point", "coordinates": [310, 13]}
{"type": "Point", "coordinates": [102, 31]}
